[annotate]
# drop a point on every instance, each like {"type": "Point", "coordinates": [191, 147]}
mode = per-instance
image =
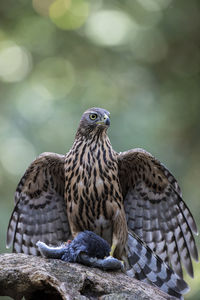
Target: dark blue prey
{"type": "Point", "coordinates": [87, 248]}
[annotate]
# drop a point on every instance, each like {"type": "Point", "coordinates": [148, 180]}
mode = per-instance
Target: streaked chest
{"type": "Point", "coordinates": [91, 173]}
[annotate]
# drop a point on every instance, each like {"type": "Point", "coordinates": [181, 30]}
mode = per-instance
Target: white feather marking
{"type": "Point", "coordinates": [99, 182]}
{"type": "Point", "coordinates": [102, 222]}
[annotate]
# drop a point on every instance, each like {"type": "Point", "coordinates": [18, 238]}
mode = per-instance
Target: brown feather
{"type": "Point", "coordinates": [155, 210]}
{"type": "Point", "coordinates": [92, 183]}
{"type": "Point", "coordinates": [40, 210]}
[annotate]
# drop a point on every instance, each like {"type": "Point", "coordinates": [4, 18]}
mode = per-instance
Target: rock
{"type": "Point", "coordinates": [38, 278]}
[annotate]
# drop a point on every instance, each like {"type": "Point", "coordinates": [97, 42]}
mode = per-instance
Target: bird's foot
{"type": "Point", "coordinates": [113, 247]}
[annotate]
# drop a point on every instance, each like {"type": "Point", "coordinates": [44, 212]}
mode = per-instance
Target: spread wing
{"type": "Point", "coordinates": [40, 209]}
{"type": "Point", "coordinates": [155, 209]}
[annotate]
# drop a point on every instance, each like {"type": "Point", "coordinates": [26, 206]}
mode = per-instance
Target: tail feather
{"type": "Point", "coordinates": [146, 266]}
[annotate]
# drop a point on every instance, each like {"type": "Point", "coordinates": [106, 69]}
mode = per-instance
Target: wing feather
{"type": "Point", "coordinates": [155, 210]}
{"type": "Point", "coordinates": [40, 209]}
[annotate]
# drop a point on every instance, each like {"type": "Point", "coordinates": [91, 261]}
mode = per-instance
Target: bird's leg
{"type": "Point", "coordinates": [114, 245]}
{"type": "Point", "coordinates": [119, 234]}
{"type": "Point", "coordinates": [115, 242]}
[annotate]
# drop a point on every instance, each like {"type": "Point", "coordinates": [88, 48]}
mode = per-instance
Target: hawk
{"type": "Point", "coordinates": [130, 199]}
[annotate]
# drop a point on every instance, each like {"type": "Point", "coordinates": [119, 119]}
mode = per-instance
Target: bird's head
{"type": "Point", "coordinates": [94, 120]}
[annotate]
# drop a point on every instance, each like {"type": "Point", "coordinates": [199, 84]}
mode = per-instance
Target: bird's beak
{"type": "Point", "coordinates": [104, 121]}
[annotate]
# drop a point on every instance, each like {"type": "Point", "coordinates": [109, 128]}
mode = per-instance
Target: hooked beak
{"type": "Point", "coordinates": [104, 121]}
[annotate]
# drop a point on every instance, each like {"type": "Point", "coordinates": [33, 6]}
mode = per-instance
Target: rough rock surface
{"type": "Point", "coordinates": [39, 278]}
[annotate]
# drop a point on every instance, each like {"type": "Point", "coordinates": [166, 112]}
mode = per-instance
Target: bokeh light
{"type": "Point", "coordinates": [15, 62]}
{"type": "Point", "coordinates": [35, 104]}
{"type": "Point", "coordinates": [69, 14]}
{"type": "Point", "coordinates": [42, 7]}
{"type": "Point", "coordinates": [110, 28]}
{"type": "Point", "coordinates": [16, 162]}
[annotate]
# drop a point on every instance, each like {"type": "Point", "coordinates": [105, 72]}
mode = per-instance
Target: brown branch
{"type": "Point", "coordinates": [39, 278]}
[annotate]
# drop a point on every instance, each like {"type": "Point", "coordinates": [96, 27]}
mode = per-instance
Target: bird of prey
{"type": "Point", "coordinates": [130, 199]}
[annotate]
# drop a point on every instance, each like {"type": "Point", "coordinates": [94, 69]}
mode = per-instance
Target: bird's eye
{"type": "Point", "coordinates": [93, 116]}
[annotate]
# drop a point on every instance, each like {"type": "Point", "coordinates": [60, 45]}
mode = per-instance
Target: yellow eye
{"type": "Point", "coordinates": [93, 116]}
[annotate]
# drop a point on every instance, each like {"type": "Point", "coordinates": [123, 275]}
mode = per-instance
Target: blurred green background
{"type": "Point", "coordinates": [139, 59]}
